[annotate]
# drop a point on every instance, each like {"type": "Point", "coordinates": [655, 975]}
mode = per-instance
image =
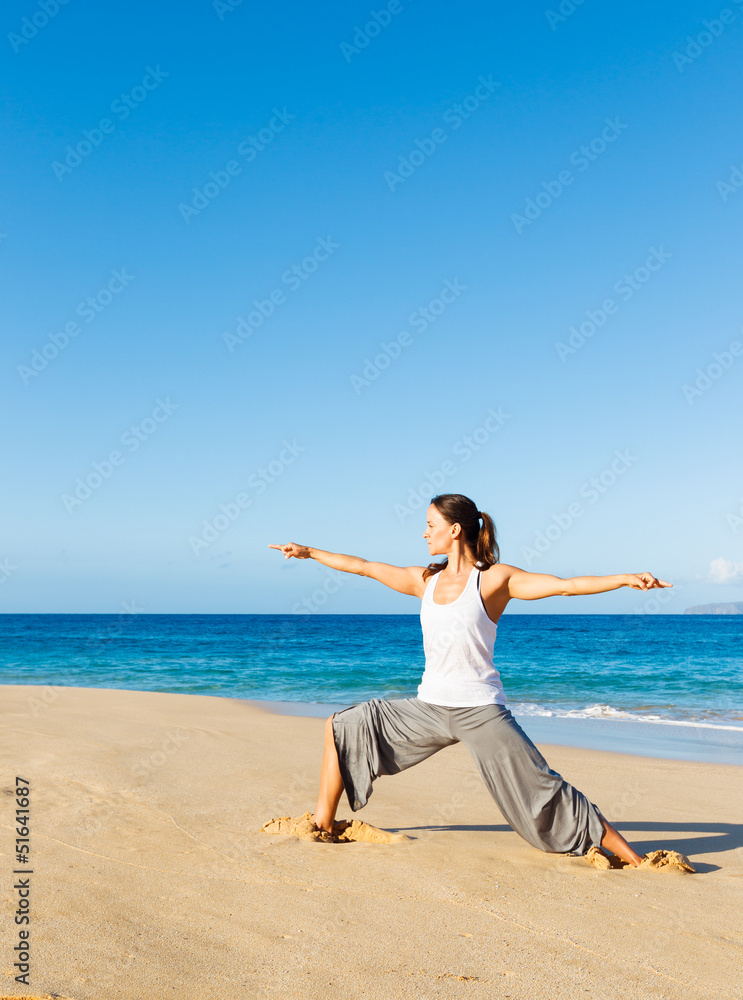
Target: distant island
{"type": "Point", "coordinates": [715, 609]}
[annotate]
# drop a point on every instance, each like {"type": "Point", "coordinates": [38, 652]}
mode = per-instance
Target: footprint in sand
{"type": "Point", "coordinates": [659, 860]}
{"type": "Point", "coordinates": [343, 832]}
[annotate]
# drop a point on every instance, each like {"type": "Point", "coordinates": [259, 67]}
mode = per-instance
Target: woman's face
{"type": "Point", "coordinates": [438, 533]}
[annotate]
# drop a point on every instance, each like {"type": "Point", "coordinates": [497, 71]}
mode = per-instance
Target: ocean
{"type": "Point", "coordinates": [663, 685]}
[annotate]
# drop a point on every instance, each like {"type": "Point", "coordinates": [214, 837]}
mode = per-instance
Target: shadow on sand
{"type": "Point", "coordinates": [706, 838]}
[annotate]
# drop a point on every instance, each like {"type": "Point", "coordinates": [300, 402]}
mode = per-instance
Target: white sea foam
{"type": "Point", "coordinates": [614, 714]}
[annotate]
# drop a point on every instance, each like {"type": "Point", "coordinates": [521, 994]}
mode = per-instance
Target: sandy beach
{"type": "Point", "coordinates": [151, 876]}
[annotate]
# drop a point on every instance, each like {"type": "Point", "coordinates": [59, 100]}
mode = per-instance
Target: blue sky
{"type": "Point", "coordinates": [407, 214]}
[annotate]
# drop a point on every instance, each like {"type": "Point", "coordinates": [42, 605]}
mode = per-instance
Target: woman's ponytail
{"type": "Point", "coordinates": [487, 551]}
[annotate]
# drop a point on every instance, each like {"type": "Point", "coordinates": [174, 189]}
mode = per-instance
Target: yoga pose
{"type": "Point", "coordinates": [460, 697]}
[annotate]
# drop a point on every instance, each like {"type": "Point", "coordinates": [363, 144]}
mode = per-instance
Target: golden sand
{"type": "Point", "coordinates": [344, 831]}
{"type": "Point", "coordinates": [659, 860]}
{"type": "Point", "coordinates": [152, 876]}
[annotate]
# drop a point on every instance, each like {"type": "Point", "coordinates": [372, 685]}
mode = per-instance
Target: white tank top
{"type": "Point", "coordinates": [458, 640]}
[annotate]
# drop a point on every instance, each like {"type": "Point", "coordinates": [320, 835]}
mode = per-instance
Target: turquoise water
{"type": "Point", "coordinates": [683, 673]}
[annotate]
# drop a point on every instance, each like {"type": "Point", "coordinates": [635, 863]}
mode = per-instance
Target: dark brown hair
{"type": "Point", "coordinates": [458, 509]}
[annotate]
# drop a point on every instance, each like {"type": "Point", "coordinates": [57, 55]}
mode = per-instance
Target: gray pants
{"type": "Point", "coordinates": [385, 736]}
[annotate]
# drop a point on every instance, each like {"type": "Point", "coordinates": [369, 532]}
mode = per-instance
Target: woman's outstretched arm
{"type": "Point", "coordinates": [404, 579]}
{"type": "Point", "coordinates": [533, 586]}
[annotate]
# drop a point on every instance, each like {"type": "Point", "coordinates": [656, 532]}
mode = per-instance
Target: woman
{"type": "Point", "coordinates": [460, 697]}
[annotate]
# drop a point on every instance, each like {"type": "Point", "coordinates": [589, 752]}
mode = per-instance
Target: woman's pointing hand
{"type": "Point", "coordinates": [645, 581]}
{"type": "Point", "coordinates": [298, 551]}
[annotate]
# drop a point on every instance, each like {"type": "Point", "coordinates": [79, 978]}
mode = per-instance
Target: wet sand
{"type": "Point", "coordinates": [151, 876]}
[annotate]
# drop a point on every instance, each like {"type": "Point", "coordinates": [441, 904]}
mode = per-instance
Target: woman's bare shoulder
{"type": "Point", "coordinates": [495, 577]}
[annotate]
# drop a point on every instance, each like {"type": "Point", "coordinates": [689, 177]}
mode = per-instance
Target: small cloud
{"type": "Point", "coordinates": [724, 571]}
